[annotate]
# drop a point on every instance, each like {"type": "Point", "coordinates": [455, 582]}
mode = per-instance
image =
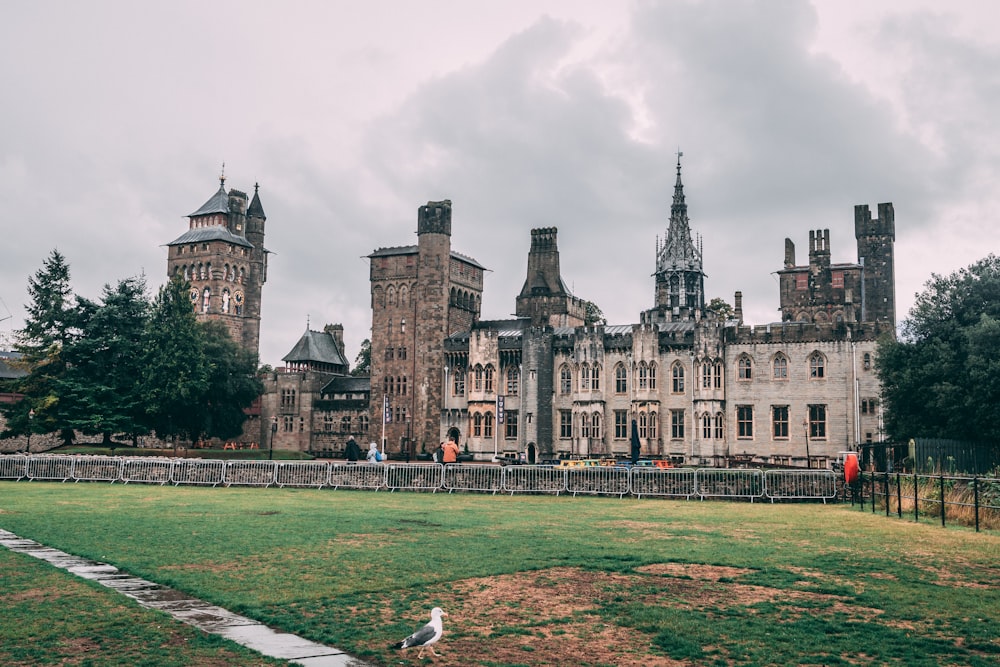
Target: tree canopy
{"type": "Point", "coordinates": [941, 379]}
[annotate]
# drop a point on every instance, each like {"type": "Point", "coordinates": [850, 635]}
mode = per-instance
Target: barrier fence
{"type": "Point", "coordinates": [744, 484]}
{"type": "Point", "coordinates": [972, 501]}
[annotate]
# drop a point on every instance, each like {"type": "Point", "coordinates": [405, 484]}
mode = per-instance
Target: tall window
{"type": "Point", "coordinates": [510, 424]}
{"type": "Point", "coordinates": [328, 422]}
{"type": "Point", "coordinates": [653, 420]}
{"type": "Point", "coordinates": [565, 379]}
{"type": "Point", "coordinates": [780, 367]}
{"type": "Point", "coordinates": [677, 379]}
{"type": "Point", "coordinates": [287, 398]}
{"type": "Point", "coordinates": [621, 424]}
{"type": "Point", "coordinates": [513, 380]}
{"type": "Point", "coordinates": [488, 379]}
{"type": "Point", "coordinates": [643, 376]}
{"type": "Point", "coordinates": [595, 426]}
{"type": "Point", "coordinates": [488, 425]}
{"type": "Point", "coordinates": [816, 366]}
{"type": "Point", "coordinates": [621, 379]}
{"type": "Point", "coordinates": [677, 424]}
{"type": "Point", "coordinates": [584, 425]}
{"type": "Point", "coordinates": [585, 378]}
{"type": "Point", "coordinates": [595, 378]}
{"type": "Point", "coordinates": [745, 368]}
{"type": "Point", "coordinates": [345, 424]}
{"type": "Point", "coordinates": [706, 426]}
{"type": "Point", "coordinates": [706, 375]}
{"type": "Point", "coordinates": [565, 424]}
{"type": "Point", "coordinates": [779, 420]}
{"type": "Point", "coordinates": [744, 421]}
{"type": "Point", "coordinates": [652, 377]}
{"type": "Point", "coordinates": [817, 421]}
{"type": "Point", "coordinates": [363, 423]}
{"type": "Point", "coordinates": [458, 384]}
{"type": "Point", "coordinates": [720, 426]}
{"type": "Point", "coordinates": [643, 418]}
{"type": "Point", "coordinates": [477, 425]}
{"type": "Point", "coordinates": [477, 374]}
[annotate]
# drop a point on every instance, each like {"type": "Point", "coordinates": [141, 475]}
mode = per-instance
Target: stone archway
{"type": "Point", "coordinates": [532, 453]}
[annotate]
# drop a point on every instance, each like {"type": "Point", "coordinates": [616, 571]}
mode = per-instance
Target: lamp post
{"type": "Point", "coordinates": [274, 429]}
{"type": "Point", "coordinates": [805, 429]}
{"type": "Point", "coordinates": [31, 423]}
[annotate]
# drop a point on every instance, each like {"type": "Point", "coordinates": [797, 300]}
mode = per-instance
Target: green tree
{"type": "Point", "coordinates": [722, 309]}
{"type": "Point", "coordinates": [175, 372]}
{"type": "Point", "coordinates": [942, 377]}
{"type": "Point", "coordinates": [48, 328]}
{"type": "Point", "coordinates": [363, 362]}
{"type": "Point", "coordinates": [593, 314]}
{"type": "Point", "coordinates": [233, 384]}
{"type": "Point", "coordinates": [99, 393]}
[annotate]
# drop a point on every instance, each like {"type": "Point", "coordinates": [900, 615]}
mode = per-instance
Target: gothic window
{"type": "Point", "coordinates": [477, 375]}
{"type": "Point", "coordinates": [595, 378]}
{"type": "Point", "coordinates": [706, 426]}
{"type": "Point", "coordinates": [477, 425]}
{"type": "Point", "coordinates": [653, 420]}
{"type": "Point", "coordinates": [584, 425]}
{"type": "Point", "coordinates": [779, 421]}
{"type": "Point", "coordinates": [706, 375]}
{"type": "Point", "coordinates": [390, 295]}
{"type": "Point", "coordinates": [817, 367]}
{"type": "Point", "coordinates": [510, 424]}
{"type": "Point", "coordinates": [378, 297]}
{"type": "Point", "coordinates": [401, 352]}
{"type": "Point", "coordinates": [565, 424]}
{"type": "Point", "coordinates": [287, 424]}
{"type": "Point", "coordinates": [565, 379]}
{"type": "Point", "coordinates": [402, 325]}
{"type": "Point", "coordinates": [677, 424]}
{"type": "Point", "coordinates": [643, 376]}
{"type": "Point", "coordinates": [585, 377]}
{"type": "Point", "coordinates": [652, 377]}
{"type": "Point", "coordinates": [817, 421]}
{"type": "Point", "coordinates": [595, 426]}
{"type": "Point", "coordinates": [744, 421]}
{"type": "Point", "coordinates": [780, 367]}
{"type": "Point", "coordinates": [404, 296]}
{"type": "Point", "coordinates": [867, 361]}
{"type": "Point", "coordinates": [345, 424]}
{"type": "Point", "coordinates": [513, 380]}
{"type": "Point", "coordinates": [389, 351]}
{"type": "Point", "coordinates": [642, 425]}
{"type": "Point", "coordinates": [488, 374]}
{"type": "Point", "coordinates": [458, 384]}
{"type": "Point", "coordinates": [744, 368]}
{"type": "Point", "coordinates": [403, 390]}
{"type": "Point", "coordinates": [621, 379]}
{"type": "Point", "coordinates": [677, 380]}
{"type": "Point", "coordinates": [717, 380]}
{"type": "Point", "coordinates": [719, 426]}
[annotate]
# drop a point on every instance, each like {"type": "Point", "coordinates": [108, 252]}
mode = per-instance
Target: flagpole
{"type": "Point", "coordinates": [385, 418]}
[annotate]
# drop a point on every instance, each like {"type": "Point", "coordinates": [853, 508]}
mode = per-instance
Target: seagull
{"type": "Point", "coordinates": [427, 635]}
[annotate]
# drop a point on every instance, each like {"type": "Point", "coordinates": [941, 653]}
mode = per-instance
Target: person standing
{"type": "Point", "coordinates": [352, 452]}
{"type": "Point", "coordinates": [450, 451]}
{"type": "Point", "coordinates": [373, 455]}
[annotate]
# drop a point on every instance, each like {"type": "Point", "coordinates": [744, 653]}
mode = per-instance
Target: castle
{"type": "Point", "coordinates": [692, 384]}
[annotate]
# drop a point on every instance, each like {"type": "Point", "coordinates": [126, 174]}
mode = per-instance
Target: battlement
{"type": "Point", "coordinates": [434, 218]}
{"type": "Point", "coordinates": [884, 225]}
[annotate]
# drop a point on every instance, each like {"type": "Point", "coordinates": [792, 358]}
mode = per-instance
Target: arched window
{"type": "Point", "coordinates": [621, 379]}
{"type": "Point", "coordinates": [817, 366]}
{"type": "Point", "coordinates": [652, 425]}
{"type": "Point", "coordinates": [595, 378]}
{"type": "Point", "coordinates": [584, 425]}
{"type": "Point", "coordinates": [780, 367]}
{"type": "Point", "coordinates": [390, 295]}
{"type": "Point", "coordinates": [867, 361]}
{"type": "Point", "coordinates": [488, 378]}
{"type": "Point", "coordinates": [643, 426]}
{"type": "Point", "coordinates": [706, 426]}
{"type": "Point", "coordinates": [404, 296]}
{"type": "Point", "coordinates": [513, 380]}
{"type": "Point", "coordinates": [488, 425]}
{"type": "Point", "coordinates": [205, 296]}
{"type": "Point", "coordinates": [652, 377]}
{"type": "Point", "coordinates": [585, 377]}
{"type": "Point", "coordinates": [477, 425]}
{"type": "Point", "coordinates": [717, 380]}
{"type": "Point", "coordinates": [706, 375]}
{"type": "Point", "coordinates": [744, 368]}
{"type": "Point", "coordinates": [720, 424]}
{"type": "Point", "coordinates": [643, 375]}
{"type": "Point", "coordinates": [477, 375]}
{"type": "Point", "coordinates": [402, 325]}
{"type": "Point", "coordinates": [677, 378]}
{"type": "Point", "coordinates": [565, 379]}
{"type": "Point", "coordinates": [595, 426]}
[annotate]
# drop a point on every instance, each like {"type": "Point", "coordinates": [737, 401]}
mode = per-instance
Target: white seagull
{"type": "Point", "coordinates": [427, 635]}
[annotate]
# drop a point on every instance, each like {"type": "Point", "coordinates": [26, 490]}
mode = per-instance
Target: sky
{"type": "Point", "coordinates": [117, 118]}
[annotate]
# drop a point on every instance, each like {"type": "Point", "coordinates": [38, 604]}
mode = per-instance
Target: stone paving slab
{"type": "Point", "coordinates": [187, 609]}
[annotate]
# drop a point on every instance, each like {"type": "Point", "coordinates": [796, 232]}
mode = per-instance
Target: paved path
{"type": "Point", "coordinates": [192, 611]}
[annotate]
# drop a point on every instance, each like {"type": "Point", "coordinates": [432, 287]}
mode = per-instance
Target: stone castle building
{"type": "Point", "coordinates": [693, 384]}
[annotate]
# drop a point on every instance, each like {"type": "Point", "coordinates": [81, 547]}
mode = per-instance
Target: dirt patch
{"type": "Point", "coordinates": [551, 617]}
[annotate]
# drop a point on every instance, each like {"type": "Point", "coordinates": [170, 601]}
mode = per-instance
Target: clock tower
{"type": "Point", "coordinates": [222, 255]}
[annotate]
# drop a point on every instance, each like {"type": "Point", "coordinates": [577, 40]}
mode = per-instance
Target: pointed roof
{"type": "Point", "coordinates": [316, 346]}
{"type": "Point", "coordinates": [256, 210]}
{"type": "Point", "coordinates": [218, 203]}
{"type": "Point", "coordinates": [678, 252]}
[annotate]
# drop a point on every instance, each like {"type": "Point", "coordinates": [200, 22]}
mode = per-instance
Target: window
{"type": "Point", "coordinates": [565, 424]}
{"type": "Point", "coordinates": [513, 380]}
{"type": "Point", "coordinates": [477, 374]}
{"type": "Point", "coordinates": [745, 368]}
{"type": "Point", "coordinates": [621, 379]}
{"type": "Point", "coordinates": [328, 422]}
{"type": "Point", "coordinates": [510, 424]}
{"type": "Point", "coordinates": [345, 424]}
{"type": "Point", "coordinates": [488, 425]}
{"type": "Point", "coordinates": [867, 361]}
{"type": "Point", "coordinates": [401, 353]}
{"type": "Point", "coordinates": [389, 353]}
{"type": "Point", "coordinates": [458, 384]}
{"type": "Point", "coordinates": [706, 426]}
{"type": "Point", "coordinates": [720, 424]}
{"type": "Point", "coordinates": [677, 373]}
{"type": "Point", "coordinates": [488, 380]}
{"type": "Point", "coordinates": [621, 424]}
{"type": "Point", "coordinates": [718, 375]}
{"type": "Point", "coordinates": [477, 425]}
{"type": "Point", "coordinates": [869, 406]}
{"type": "Point", "coordinates": [780, 367]}
{"type": "Point", "coordinates": [585, 378]}
{"type": "Point", "coordinates": [287, 424]}
{"type": "Point", "coordinates": [565, 380]}
{"type": "Point", "coordinates": [744, 421]}
{"type": "Point", "coordinates": [779, 421]}
{"type": "Point", "coordinates": [677, 424]}
{"type": "Point", "coordinates": [652, 377]}
{"type": "Point", "coordinates": [584, 425]}
{"type": "Point", "coordinates": [402, 325]}
{"type": "Point", "coordinates": [595, 378]}
{"type": "Point", "coordinates": [287, 398]}
{"type": "Point", "coordinates": [643, 376]}
{"type": "Point", "coordinates": [817, 421]}
{"type": "Point", "coordinates": [706, 375]}
{"type": "Point", "coordinates": [652, 425]}
{"type": "Point", "coordinates": [595, 426]}
{"type": "Point", "coordinates": [816, 367]}
{"type": "Point", "coordinates": [643, 418]}
{"type": "Point", "coordinates": [363, 423]}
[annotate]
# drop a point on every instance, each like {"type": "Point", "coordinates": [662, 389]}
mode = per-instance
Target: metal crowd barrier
{"type": "Point", "coordinates": [14, 467]}
{"type": "Point", "coordinates": [482, 479]}
{"type": "Point", "coordinates": [303, 474]}
{"type": "Point", "coordinates": [800, 484]}
{"type": "Point", "coordinates": [637, 481]}
{"type": "Point", "coordinates": [598, 480]}
{"type": "Point", "coordinates": [665, 482]}
{"type": "Point", "coordinates": [729, 483]}
{"type": "Point", "coordinates": [250, 473]}
{"type": "Point", "coordinates": [413, 476]}
{"type": "Point", "coordinates": [147, 470]}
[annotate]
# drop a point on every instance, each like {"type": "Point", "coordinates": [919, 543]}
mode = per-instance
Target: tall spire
{"type": "Point", "coordinates": [679, 275]}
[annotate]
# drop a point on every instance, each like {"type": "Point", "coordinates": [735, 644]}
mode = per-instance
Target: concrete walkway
{"type": "Point", "coordinates": [200, 614]}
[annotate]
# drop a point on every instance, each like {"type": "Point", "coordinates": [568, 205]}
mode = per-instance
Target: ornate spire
{"type": "Point", "coordinates": [679, 275]}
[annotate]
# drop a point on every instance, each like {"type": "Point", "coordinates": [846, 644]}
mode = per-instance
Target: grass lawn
{"type": "Point", "coordinates": [532, 580]}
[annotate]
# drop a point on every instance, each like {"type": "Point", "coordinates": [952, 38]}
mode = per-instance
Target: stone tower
{"type": "Point", "coordinates": [876, 239]}
{"type": "Point", "coordinates": [680, 280]}
{"type": "Point", "coordinates": [222, 255]}
{"type": "Point", "coordinates": [544, 298]}
{"type": "Point", "coordinates": [420, 295]}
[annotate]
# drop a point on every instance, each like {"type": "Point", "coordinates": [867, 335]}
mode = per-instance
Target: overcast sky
{"type": "Point", "coordinates": [117, 117]}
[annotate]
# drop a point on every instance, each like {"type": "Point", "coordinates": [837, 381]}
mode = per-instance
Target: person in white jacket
{"type": "Point", "coordinates": [372, 456]}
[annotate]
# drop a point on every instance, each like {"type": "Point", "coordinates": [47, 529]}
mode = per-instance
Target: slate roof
{"type": "Point", "coordinates": [317, 346]}
{"type": "Point", "coordinates": [412, 250]}
{"type": "Point", "coordinates": [348, 384]}
{"type": "Point", "coordinates": [219, 203]}
{"type": "Point", "coordinates": [215, 233]}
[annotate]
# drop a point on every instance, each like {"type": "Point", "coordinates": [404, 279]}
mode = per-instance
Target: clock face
{"type": "Point", "coordinates": [238, 298]}
{"type": "Point", "coordinates": [194, 293]}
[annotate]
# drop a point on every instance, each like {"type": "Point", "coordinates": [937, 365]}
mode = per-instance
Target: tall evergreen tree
{"type": "Point", "coordinates": [363, 362]}
{"type": "Point", "coordinates": [233, 384]}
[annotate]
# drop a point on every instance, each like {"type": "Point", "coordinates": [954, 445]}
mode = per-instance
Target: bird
{"type": "Point", "coordinates": [427, 635]}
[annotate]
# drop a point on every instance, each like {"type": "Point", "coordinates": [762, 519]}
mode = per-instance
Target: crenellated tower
{"type": "Point", "coordinates": [680, 280]}
{"type": "Point", "coordinates": [544, 298]}
{"type": "Point", "coordinates": [876, 238]}
{"type": "Point", "coordinates": [222, 256]}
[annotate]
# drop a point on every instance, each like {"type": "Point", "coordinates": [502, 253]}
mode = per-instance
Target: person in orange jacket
{"type": "Point", "coordinates": [450, 451]}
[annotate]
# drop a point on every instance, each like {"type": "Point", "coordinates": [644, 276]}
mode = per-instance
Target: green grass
{"type": "Point", "coordinates": [528, 580]}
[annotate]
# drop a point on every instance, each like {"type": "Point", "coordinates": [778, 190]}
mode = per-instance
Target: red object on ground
{"type": "Point", "coordinates": [851, 468]}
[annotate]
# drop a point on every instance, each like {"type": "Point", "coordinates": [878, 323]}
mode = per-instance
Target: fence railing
{"type": "Point", "coordinates": [746, 484]}
{"type": "Point", "coordinates": [972, 501]}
